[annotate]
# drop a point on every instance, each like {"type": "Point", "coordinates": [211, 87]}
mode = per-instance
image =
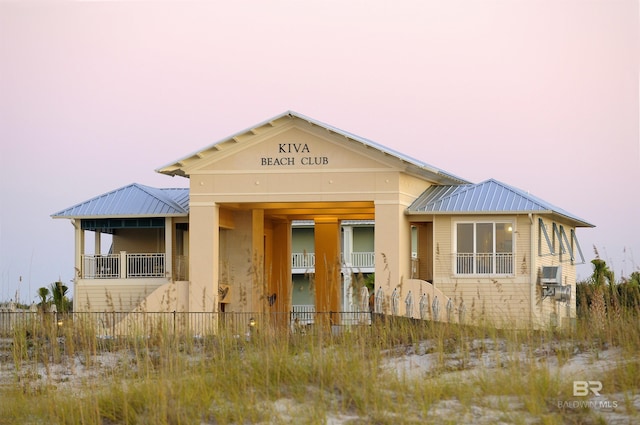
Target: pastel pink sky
{"type": "Point", "coordinates": [539, 94]}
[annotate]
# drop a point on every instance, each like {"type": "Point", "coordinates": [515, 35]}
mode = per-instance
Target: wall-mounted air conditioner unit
{"type": "Point", "coordinates": [551, 275]}
{"type": "Point", "coordinates": [551, 281]}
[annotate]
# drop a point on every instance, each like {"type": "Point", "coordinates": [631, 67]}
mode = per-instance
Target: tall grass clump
{"type": "Point", "coordinates": [279, 377]}
{"type": "Point", "coordinates": [394, 371]}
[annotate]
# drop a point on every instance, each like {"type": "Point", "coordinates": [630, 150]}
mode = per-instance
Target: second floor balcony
{"type": "Point", "coordinates": [127, 265]}
{"type": "Point", "coordinates": [307, 260]}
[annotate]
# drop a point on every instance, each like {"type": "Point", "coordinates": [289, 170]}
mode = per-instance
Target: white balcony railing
{"type": "Point", "coordinates": [303, 260]}
{"type": "Point", "coordinates": [101, 266]}
{"type": "Point", "coordinates": [145, 265]}
{"type": "Point", "coordinates": [362, 259]}
{"type": "Point", "coordinates": [307, 260]}
{"type": "Point", "coordinates": [484, 263]}
{"type": "Point", "coordinates": [123, 266]}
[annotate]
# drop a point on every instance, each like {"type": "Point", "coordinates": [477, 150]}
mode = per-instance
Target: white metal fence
{"type": "Point", "coordinates": [306, 260]}
{"type": "Point", "coordinates": [123, 266]}
{"type": "Point", "coordinates": [101, 266]}
{"type": "Point", "coordinates": [303, 260]}
{"type": "Point", "coordinates": [484, 263]}
{"type": "Point", "coordinates": [362, 259]}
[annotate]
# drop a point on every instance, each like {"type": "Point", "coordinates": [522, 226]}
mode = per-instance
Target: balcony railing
{"type": "Point", "coordinates": [362, 259]}
{"type": "Point", "coordinates": [307, 260]}
{"type": "Point", "coordinates": [101, 266]}
{"type": "Point", "coordinates": [303, 260]}
{"type": "Point", "coordinates": [145, 265]}
{"type": "Point", "coordinates": [123, 266]}
{"type": "Point", "coordinates": [484, 263]}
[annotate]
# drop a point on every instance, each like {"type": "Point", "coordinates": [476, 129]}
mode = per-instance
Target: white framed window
{"type": "Point", "coordinates": [483, 248]}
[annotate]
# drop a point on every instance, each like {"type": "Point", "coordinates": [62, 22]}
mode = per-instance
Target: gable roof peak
{"type": "Point", "coordinates": [181, 166]}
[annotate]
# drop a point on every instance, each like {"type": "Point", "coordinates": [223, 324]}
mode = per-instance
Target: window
{"type": "Point", "coordinates": [484, 248]}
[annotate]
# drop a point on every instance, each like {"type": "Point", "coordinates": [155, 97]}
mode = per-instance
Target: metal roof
{"type": "Point", "coordinates": [134, 200]}
{"type": "Point", "coordinates": [490, 196]}
{"type": "Point", "coordinates": [434, 173]}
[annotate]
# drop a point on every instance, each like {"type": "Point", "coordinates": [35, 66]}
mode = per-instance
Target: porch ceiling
{"type": "Point", "coordinates": [310, 210]}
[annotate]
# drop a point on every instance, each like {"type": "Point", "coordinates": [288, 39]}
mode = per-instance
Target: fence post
{"type": "Point", "coordinates": [123, 265]}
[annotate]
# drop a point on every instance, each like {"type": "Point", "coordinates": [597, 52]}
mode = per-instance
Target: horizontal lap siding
{"type": "Point", "coordinates": [443, 248]}
{"type": "Point", "coordinates": [501, 302]}
{"type": "Point", "coordinates": [499, 299]}
{"type": "Point", "coordinates": [548, 307]}
{"type": "Point", "coordinates": [114, 296]}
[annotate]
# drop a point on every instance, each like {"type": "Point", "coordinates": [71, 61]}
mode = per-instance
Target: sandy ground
{"type": "Point", "coordinates": [487, 355]}
{"type": "Point", "coordinates": [414, 362]}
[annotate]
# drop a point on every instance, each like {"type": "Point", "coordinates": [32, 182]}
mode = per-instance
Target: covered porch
{"type": "Point", "coordinates": [128, 244]}
{"type": "Point", "coordinates": [138, 249]}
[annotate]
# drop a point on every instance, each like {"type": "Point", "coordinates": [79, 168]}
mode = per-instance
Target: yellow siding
{"type": "Point", "coordinates": [548, 308]}
{"type": "Point", "coordinates": [503, 300]}
{"type": "Point", "coordinates": [113, 294]}
{"type": "Point", "coordinates": [442, 239]}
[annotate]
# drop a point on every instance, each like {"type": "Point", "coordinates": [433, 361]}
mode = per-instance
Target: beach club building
{"type": "Point", "coordinates": [293, 215]}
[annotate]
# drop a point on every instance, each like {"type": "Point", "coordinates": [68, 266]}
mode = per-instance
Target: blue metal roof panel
{"type": "Point", "coordinates": [490, 196]}
{"type": "Point", "coordinates": [179, 195]}
{"type": "Point", "coordinates": [132, 200]}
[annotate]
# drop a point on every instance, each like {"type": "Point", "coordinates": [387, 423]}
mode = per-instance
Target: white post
{"type": "Point", "coordinates": [168, 247]}
{"type": "Point", "coordinates": [347, 245]}
{"type": "Point", "coordinates": [347, 250]}
{"type": "Point", "coordinates": [347, 290]}
{"type": "Point", "coordinates": [96, 245]}
{"type": "Point", "coordinates": [79, 251]}
{"type": "Point", "coordinates": [79, 247]}
{"type": "Point", "coordinates": [123, 264]}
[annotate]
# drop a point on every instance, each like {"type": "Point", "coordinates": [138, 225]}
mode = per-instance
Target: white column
{"type": "Point", "coordinates": [96, 244]}
{"type": "Point", "coordinates": [79, 245]}
{"type": "Point", "coordinates": [347, 290]}
{"type": "Point", "coordinates": [123, 265]}
{"type": "Point", "coordinates": [168, 247]}
{"type": "Point", "coordinates": [78, 253]}
{"type": "Point", "coordinates": [347, 244]}
{"type": "Point", "coordinates": [347, 250]}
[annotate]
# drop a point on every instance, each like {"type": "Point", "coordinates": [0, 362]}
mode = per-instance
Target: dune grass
{"type": "Point", "coordinates": [279, 377]}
